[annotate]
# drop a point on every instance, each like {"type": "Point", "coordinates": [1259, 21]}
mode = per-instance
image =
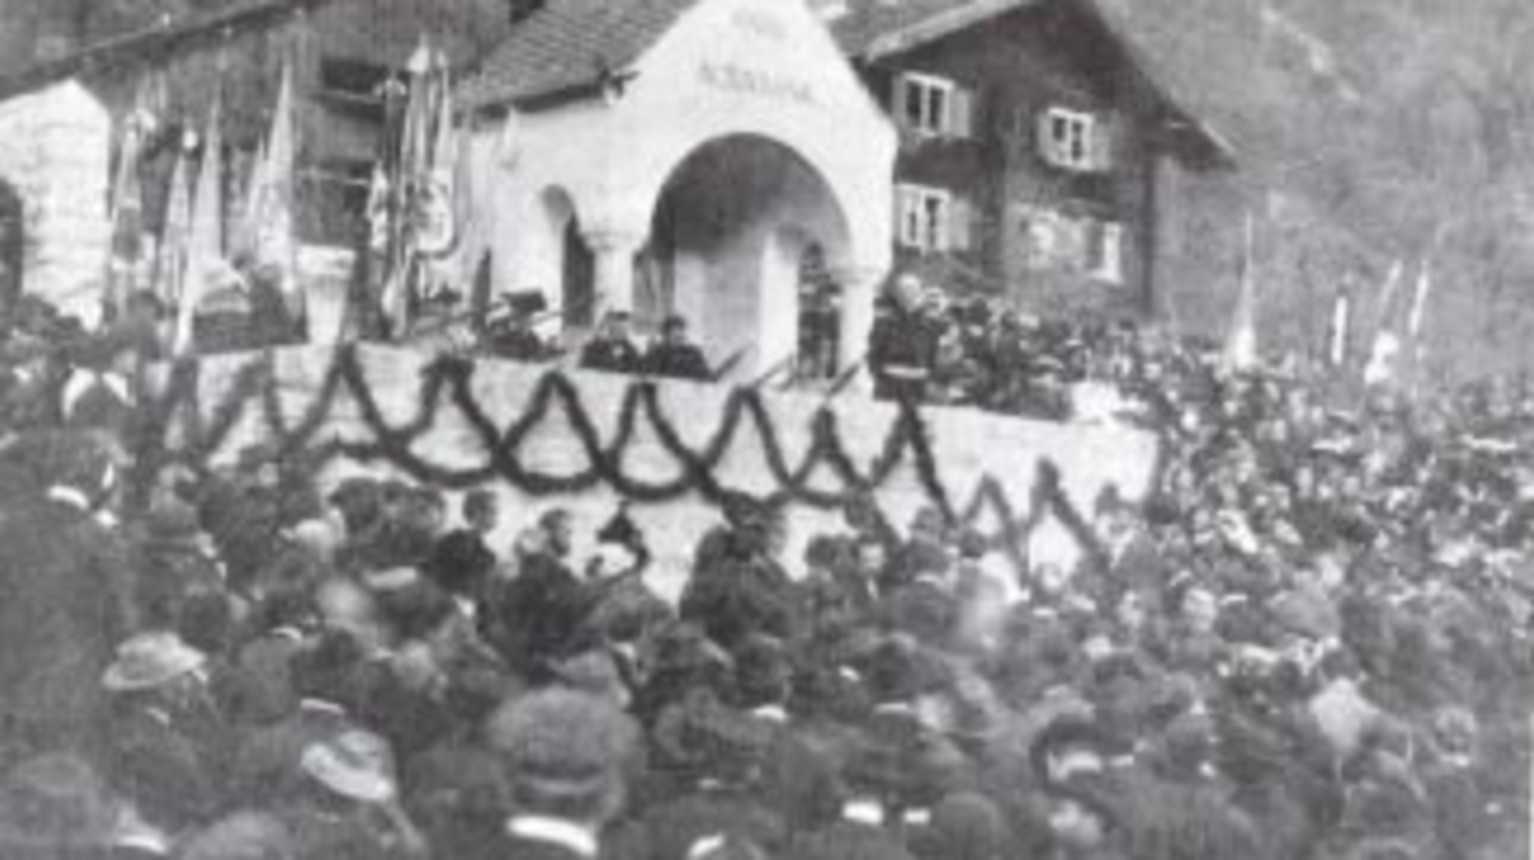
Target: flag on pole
{"type": "Point", "coordinates": [127, 211]}
{"type": "Point", "coordinates": [438, 216]}
{"type": "Point", "coordinates": [414, 180]}
{"type": "Point", "coordinates": [270, 205]}
{"type": "Point", "coordinates": [1420, 300]}
{"type": "Point", "coordinates": [170, 271]}
{"type": "Point", "coordinates": [1417, 356]}
{"type": "Point", "coordinates": [1340, 339]}
{"type": "Point", "coordinates": [246, 234]}
{"type": "Point", "coordinates": [205, 242]}
{"type": "Point", "coordinates": [1241, 343]}
{"type": "Point", "coordinates": [1385, 353]}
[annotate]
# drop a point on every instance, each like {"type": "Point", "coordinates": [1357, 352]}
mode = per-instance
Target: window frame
{"type": "Point", "coordinates": [1082, 128]}
{"type": "Point", "coordinates": [932, 233]}
{"type": "Point", "coordinates": [940, 123]}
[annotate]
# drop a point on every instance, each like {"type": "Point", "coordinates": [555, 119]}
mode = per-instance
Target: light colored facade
{"type": "Point", "coordinates": [697, 178]}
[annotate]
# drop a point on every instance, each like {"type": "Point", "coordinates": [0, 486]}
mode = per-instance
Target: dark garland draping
{"type": "Point", "coordinates": [255, 385]}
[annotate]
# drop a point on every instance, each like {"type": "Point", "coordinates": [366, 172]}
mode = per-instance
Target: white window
{"type": "Point", "coordinates": [923, 218]}
{"type": "Point", "coordinates": [1074, 140]}
{"type": "Point", "coordinates": [933, 106]}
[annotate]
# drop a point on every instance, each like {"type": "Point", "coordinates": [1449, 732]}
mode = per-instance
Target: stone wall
{"type": "Point", "coordinates": [968, 447]}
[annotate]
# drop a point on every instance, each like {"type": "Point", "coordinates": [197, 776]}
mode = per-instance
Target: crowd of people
{"type": "Point", "coordinates": [1311, 640]}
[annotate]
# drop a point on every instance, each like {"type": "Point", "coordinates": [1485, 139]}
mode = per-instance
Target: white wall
{"type": "Point", "coordinates": [55, 146]}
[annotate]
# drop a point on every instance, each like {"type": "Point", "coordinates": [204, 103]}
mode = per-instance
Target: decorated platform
{"type": "Point", "coordinates": [546, 435]}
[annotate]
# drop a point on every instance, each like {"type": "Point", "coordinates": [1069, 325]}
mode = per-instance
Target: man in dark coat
{"type": "Point", "coordinates": [66, 597]}
{"type": "Point", "coordinates": [515, 338]}
{"type": "Point", "coordinates": [168, 741]}
{"type": "Point", "coordinates": [737, 587]}
{"type": "Point", "coordinates": [462, 560]}
{"type": "Point", "coordinates": [902, 351]}
{"type": "Point", "coordinates": [674, 357]}
{"type": "Point", "coordinates": [267, 760]}
{"type": "Point", "coordinates": [564, 755]}
{"type": "Point", "coordinates": [611, 350]}
{"type": "Point", "coordinates": [535, 619]}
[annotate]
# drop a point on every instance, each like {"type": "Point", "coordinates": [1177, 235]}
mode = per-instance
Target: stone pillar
{"type": "Point", "coordinates": [615, 251]}
{"type": "Point", "coordinates": [860, 289]}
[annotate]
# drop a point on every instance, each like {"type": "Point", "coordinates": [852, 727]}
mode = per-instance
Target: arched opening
{"type": "Point", "coordinates": [729, 237]}
{"type": "Point", "coordinates": [578, 289]}
{"type": "Point", "coordinates": [13, 243]}
{"type": "Point", "coordinates": [559, 263]}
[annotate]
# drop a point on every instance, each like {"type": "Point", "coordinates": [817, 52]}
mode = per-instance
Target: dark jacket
{"type": "Point", "coordinates": [168, 764]}
{"type": "Point", "coordinates": [677, 361]}
{"type": "Point", "coordinates": [535, 617]}
{"type": "Point", "coordinates": [613, 356]}
{"type": "Point", "coordinates": [66, 599]}
{"type": "Point", "coordinates": [736, 591]}
{"type": "Point", "coordinates": [267, 760]}
{"type": "Point", "coordinates": [902, 351]}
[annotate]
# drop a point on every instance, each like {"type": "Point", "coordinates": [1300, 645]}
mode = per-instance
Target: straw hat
{"type": "Point", "coordinates": [354, 764]}
{"type": "Point", "coordinates": [151, 660]}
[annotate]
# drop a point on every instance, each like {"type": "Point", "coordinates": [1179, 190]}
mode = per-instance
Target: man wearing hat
{"type": "Point", "coordinates": [168, 742]}
{"type": "Point", "coordinates": [321, 673]}
{"type": "Point", "coordinates": [715, 756]}
{"type": "Point", "coordinates": [674, 356]}
{"type": "Point", "coordinates": [514, 337]}
{"type": "Point", "coordinates": [348, 804]}
{"type": "Point", "coordinates": [535, 617]}
{"type": "Point", "coordinates": [175, 560]}
{"type": "Point", "coordinates": [611, 350]}
{"type": "Point", "coordinates": [737, 586]}
{"type": "Point", "coordinates": [565, 754]}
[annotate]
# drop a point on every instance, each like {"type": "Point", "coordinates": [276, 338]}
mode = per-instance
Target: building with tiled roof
{"type": "Point", "coordinates": [639, 153]}
{"type": "Point", "coordinates": [985, 201]}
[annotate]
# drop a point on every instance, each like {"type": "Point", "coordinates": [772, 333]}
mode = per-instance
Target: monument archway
{"type": "Point", "coordinates": [728, 236]}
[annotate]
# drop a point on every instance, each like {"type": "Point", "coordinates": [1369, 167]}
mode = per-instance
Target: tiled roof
{"type": "Point", "coordinates": [873, 29]}
{"type": "Point", "coordinates": [867, 27]}
{"type": "Point", "coordinates": [570, 43]}
{"type": "Point", "coordinates": [154, 38]}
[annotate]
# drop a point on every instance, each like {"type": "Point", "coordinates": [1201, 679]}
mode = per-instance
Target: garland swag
{"type": "Point", "coordinates": [450, 378]}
